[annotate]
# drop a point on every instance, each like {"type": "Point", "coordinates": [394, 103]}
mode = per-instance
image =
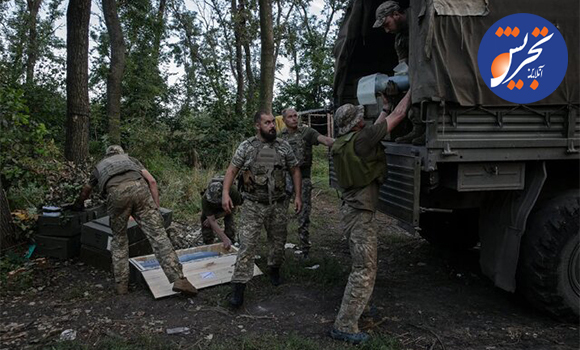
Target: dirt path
{"type": "Point", "coordinates": [426, 299]}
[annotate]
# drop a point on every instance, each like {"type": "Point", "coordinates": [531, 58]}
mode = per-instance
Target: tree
{"type": "Point", "coordinates": [267, 61]}
{"type": "Point", "coordinates": [237, 20]}
{"type": "Point", "coordinates": [6, 227]}
{"type": "Point", "coordinates": [117, 66]}
{"type": "Point", "coordinates": [77, 74]}
{"type": "Point", "coordinates": [32, 47]}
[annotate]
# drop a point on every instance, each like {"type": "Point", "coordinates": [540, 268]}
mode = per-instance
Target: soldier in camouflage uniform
{"type": "Point", "coordinates": [211, 210]}
{"type": "Point", "coordinates": [264, 161]}
{"type": "Point", "coordinates": [393, 19]}
{"type": "Point", "coordinates": [302, 138]}
{"type": "Point", "coordinates": [131, 190]}
{"type": "Point", "coordinates": [360, 165]}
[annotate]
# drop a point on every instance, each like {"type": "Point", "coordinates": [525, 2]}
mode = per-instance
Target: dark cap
{"type": "Point", "coordinates": [385, 9]}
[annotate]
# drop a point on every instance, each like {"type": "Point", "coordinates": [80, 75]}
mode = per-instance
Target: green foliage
{"type": "Point", "coordinates": [22, 139]}
{"type": "Point", "coordinates": [13, 275]}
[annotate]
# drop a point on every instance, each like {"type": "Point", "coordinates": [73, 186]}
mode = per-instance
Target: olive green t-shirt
{"type": "Point", "coordinates": [366, 198]}
{"type": "Point", "coordinates": [301, 142]}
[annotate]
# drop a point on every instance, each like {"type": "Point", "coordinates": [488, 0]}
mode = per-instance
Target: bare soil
{"type": "Point", "coordinates": [426, 299]}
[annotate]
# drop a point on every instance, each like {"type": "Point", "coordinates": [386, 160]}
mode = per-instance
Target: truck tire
{"type": "Point", "coordinates": [458, 230]}
{"type": "Point", "coordinates": [548, 269]}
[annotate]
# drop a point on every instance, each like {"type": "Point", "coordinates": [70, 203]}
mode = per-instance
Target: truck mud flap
{"type": "Point", "coordinates": [399, 193]}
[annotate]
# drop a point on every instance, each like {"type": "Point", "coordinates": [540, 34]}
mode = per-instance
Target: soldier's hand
{"type": "Point", "coordinates": [297, 204]}
{"type": "Point", "coordinates": [386, 102]}
{"type": "Point", "coordinates": [206, 223]}
{"type": "Point", "coordinates": [227, 243]}
{"type": "Point", "coordinates": [227, 203]}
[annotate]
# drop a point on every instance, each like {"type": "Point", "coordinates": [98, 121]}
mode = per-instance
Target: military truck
{"type": "Point", "coordinates": [493, 174]}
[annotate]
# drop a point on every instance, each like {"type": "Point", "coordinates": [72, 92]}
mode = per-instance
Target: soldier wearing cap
{"type": "Point", "coordinates": [302, 138]}
{"type": "Point", "coordinates": [131, 190]}
{"type": "Point", "coordinates": [211, 210]}
{"type": "Point", "coordinates": [360, 165]}
{"type": "Point", "coordinates": [393, 19]}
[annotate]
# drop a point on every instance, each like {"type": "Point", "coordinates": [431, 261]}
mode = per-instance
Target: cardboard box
{"type": "Point", "coordinates": [202, 273]}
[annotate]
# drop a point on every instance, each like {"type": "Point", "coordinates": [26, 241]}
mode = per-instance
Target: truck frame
{"type": "Point", "coordinates": [502, 175]}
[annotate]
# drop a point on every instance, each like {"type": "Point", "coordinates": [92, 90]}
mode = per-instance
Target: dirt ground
{"type": "Point", "coordinates": [426, 299]}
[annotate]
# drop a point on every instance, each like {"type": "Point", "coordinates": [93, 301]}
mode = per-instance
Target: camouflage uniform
{"type": "Point", "coordinates": [302, 141]}
{"type": "Point", "coordinates": [211, 204]}
{"type": "Point", "coordinates": [128, 194]}
{"type": "Point", "coordinates": [361, 150]}
{"type": "Point", "coordinates": [264, 204]}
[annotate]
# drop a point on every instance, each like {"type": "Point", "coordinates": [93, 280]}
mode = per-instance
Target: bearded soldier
{"type": "Point", "coordinates": [360, 165]}
{"type": "Point", "coordinates": [302, 138]}
{"type": "Point", "coordinates": [264, 161]}
{"type": "Point", "coordinates": [132, 191]}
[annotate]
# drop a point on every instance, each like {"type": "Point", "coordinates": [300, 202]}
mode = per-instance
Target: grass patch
{"type": "Point", "coordinates": [180, 187]}
{"type": "Point", "coordinates": [319, 174]}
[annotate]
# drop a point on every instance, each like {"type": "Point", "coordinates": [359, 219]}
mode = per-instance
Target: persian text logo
{"type": "Point", "coordinates": [522, 58]}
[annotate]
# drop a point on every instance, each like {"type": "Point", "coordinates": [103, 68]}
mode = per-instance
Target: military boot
{"type": "Point", "coordinates": [237, 298]}
{"type": "Point", "coordinates": [417, 134]}
{"type": "Point", "coordinates": [275, 278]}
{"type": "Point", "coordinates": [184, 287]}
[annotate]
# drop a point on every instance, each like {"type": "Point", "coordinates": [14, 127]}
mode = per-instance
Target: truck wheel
{"type": "Point", "coordinates": [549, 265]}
{"type": "Point", "coordinates": [456, 231]}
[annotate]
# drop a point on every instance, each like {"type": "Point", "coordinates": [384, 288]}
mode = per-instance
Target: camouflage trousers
{"type": "Point", "coordinates": [229, 228]}
{"type": "Point", "coordinates": [360, 230]}
{"type": "Point", "coordinates": [254, 216]}
{"type": "Point", "coordinates": [303, 216]}
{"type": "Point", "coordinates": [134, 198]}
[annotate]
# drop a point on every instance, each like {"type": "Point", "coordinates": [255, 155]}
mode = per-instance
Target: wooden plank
{"type": "Point", "coordinates": [201, 273]}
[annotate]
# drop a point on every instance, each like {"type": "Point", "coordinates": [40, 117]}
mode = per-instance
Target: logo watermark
{"type": "Point", "coordinates": [522, 58]}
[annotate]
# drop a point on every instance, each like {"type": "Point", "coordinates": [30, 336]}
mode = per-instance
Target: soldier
{"type": "Point", "coordinates": [264, 161]}
{"type": "Point", "coordinates": [131, 190]}
{"type": "Point", "coordinates": [393, 19]}
{"type": "Point", "coordinates": [302, 138]}
{"type": "Point", "coordinates": [360, 165]}
{"type": "Point", "coordinates": [211, 210]}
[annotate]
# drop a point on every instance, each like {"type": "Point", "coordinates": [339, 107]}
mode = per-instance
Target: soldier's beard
{"type": "Point", "coordinates": [268, 136]}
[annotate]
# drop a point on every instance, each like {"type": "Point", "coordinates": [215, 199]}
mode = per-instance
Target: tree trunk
{"type": "Point", "coordinates": [115, 70]}
{"type": "Point", "coordinates": [236, 19]}
{"type": "Point", "coordinates": [7, 238]}
{"type": "Point", "coordinates": [248, 54]}
{"type": "Point", "coordinates": [267, 56]}
{"type": "Point", "coordinates": [77, 76]}
{"type": "Point", "coordinates": [32, 46]}
{"type": "Point", "coordinates": [160, 28]}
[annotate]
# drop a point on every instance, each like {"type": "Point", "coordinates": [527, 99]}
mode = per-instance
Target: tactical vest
{"type": "Point", "coordinates": [114, 165]}
{"type": "Point", "coordinates": [268, 172]}
{"type": "Point", "coordinates": [352, 171]}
